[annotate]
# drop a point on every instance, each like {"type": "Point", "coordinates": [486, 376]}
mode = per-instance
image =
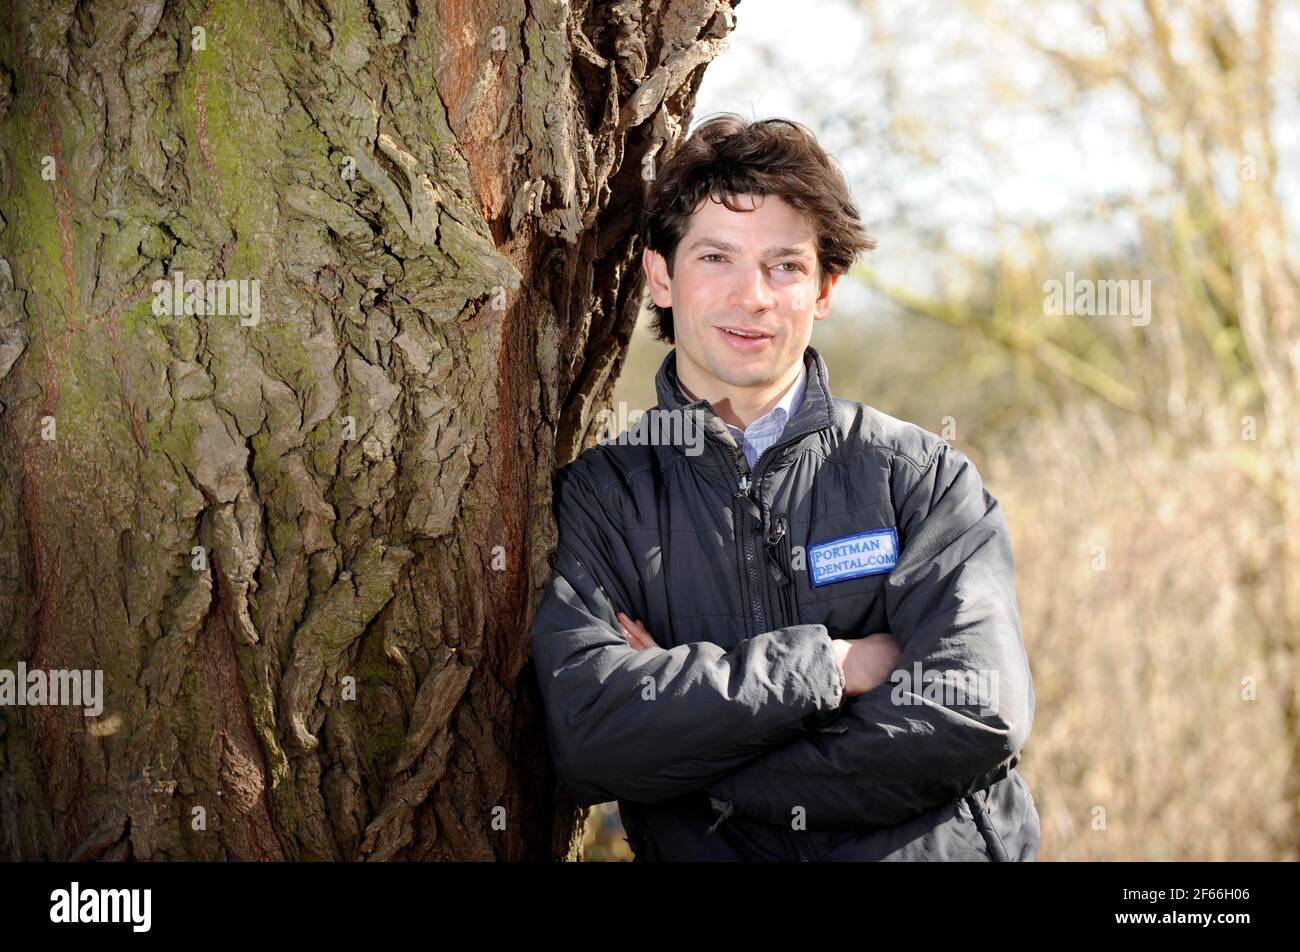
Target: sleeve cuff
{"type": "Point", "coordinates": [814, 720]}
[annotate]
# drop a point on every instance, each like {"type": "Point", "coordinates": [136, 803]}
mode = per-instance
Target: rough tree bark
{"type": "Point", "coordinates": [438, 200]}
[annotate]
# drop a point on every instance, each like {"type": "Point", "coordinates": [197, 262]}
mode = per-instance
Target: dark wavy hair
{"type": "Point", "coordinates": [728, 155]}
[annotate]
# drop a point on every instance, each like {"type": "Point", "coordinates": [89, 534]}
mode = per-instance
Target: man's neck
{"type": "Point", "coordinates": [739, 406]}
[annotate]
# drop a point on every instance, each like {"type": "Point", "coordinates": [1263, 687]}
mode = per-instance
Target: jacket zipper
{"type": "Point", "coordinates": [744, 486]}
{"type": "Point", "coordinates": [778, 545]}
{"type": "Point", "coordinates": [801, 850]}
{"type": "Point", "coordinates": [778, 573]}
{"type": "Point", "coordinates": [751, 492]}
{"type": "Point", "coordinates": [746, 491]}
{"type": "Point", "coordinates": [801, 846]}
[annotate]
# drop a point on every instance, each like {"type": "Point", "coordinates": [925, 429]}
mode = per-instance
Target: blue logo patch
{"type": "Point", "coordinates": [867, 553]}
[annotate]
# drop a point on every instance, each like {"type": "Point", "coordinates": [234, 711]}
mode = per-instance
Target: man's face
{"type": "Point", "coordinates": [743, 292]}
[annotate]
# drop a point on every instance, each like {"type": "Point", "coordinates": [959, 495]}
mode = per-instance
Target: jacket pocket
{"type": "Point", "coordinates": [976, 803]}
{"type": "Point", "coordinates": [946, 833]}
{"type": "Point", "coordinates": [1013, 817]}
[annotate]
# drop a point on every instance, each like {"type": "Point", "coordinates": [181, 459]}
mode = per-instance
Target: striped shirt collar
{"type": "Point", "coordinates": [767, 429]}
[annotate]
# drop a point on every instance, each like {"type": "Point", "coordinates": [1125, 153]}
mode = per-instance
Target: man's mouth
{"type": "Point", "coordinates": [742, 332]}
{"type": "Point", "coordinates": [744, 340]}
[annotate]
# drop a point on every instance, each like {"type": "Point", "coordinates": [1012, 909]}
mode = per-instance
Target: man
{"type": "Point", "coordinates": [803, 642]}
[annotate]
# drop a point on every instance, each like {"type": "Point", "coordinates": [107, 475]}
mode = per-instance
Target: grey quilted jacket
{"type": "Point", "coordinates": [733, 739]}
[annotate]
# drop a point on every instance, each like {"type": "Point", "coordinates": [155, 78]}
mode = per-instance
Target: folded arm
{"type": "Point", "coordinates": [953, 717]}
{"type": "Point", "coordinates": [657, 723]}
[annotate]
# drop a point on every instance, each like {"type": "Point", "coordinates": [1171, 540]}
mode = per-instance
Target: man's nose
{"type": "Point", "coordinates": [752, 292]}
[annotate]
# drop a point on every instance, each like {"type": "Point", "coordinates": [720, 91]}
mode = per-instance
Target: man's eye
{"type": "Point", "coordinates": [797, 266]}
{"type": "Point", "coordinates": [708, 256]}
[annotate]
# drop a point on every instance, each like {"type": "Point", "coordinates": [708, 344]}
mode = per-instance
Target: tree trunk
{"type": "Point", "coordinates": [302, 536]}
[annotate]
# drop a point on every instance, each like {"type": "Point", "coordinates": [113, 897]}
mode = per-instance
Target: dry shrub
{"type": "Point", "coordinates": [1139, 666]}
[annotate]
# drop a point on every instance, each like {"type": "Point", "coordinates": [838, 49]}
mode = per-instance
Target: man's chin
{"type": "Point", "coordinates": [742, 373]}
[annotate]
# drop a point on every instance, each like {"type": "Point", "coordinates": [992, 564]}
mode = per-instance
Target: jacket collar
{"type": "Point", "coordinates": [814, 411]}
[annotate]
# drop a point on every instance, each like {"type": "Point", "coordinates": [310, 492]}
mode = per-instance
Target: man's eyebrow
{"type": "Point", "coordinates": [727, 246]}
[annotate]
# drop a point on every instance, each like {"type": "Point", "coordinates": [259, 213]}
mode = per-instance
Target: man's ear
{"type": "Point", "coordinates": [657, 278]}
{"type": "Point", "coordinates": [822, 306]}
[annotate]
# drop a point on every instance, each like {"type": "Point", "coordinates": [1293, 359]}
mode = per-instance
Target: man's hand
{"type": "Point", "coordinates": [866, 662]}
{"type": "Point", "coordinates": [636, 633]}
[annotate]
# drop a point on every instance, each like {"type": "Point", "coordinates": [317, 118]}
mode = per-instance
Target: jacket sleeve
{"type": "Point", "coordinates": [955, 712]}
{"type": "Point", "coordinates": [647, 725]}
